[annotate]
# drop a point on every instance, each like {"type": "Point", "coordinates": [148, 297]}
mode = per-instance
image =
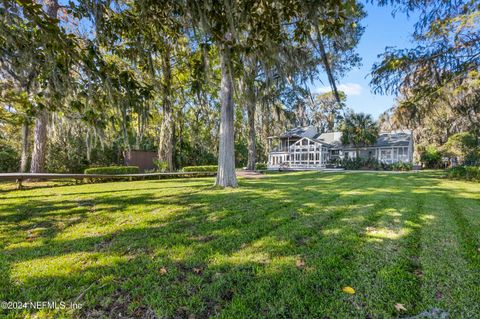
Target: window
{"type": "Point", "coordinates": [403, 154]}
{"type": "Point", "coordinates": [335, 152]}
{"type": "Point", "coordinates": [386, 154]}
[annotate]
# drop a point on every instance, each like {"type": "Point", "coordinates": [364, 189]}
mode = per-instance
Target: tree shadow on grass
{"type": "Point", "coordinates": [282, 246]}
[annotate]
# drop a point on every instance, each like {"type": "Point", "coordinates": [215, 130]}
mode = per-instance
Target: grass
{"type": "Point", "coordinates": [282, 246]}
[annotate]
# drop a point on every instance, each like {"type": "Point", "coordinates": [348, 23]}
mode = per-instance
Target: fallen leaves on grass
{"type": "Point", "coordinates": [348, 290]}
{"type": "Point", "coordinates": [400, 307]}
{"type": "Point", "coordinates": [438, 295]}
{"type": "Point", "coordinates": [300, 263]}
{"type": "Point", "coordinates": [197, 270]}
{"type": "Point", "coordinates": [163, 271]}
{"type": "Point", "coordinates": [418, 273]}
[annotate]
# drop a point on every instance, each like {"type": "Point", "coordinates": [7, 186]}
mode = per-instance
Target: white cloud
{"type": "Point", "coordinates": [347, 88]}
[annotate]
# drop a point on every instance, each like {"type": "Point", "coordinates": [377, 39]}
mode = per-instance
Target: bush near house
{"type": "Point", "coordinates": [113, 170]}
{"type": "Point", "coordinates": [372, 164]}
{"type": "Point", "coordinates": [204, 168]}
{"type": "Point", "coordinates": [469, 173]}
{"type": "Point", "coordinates": [362, 164]}
{"type": "Point", "coordinates": [431, 157]}
{"type": "Point", "coordinates": [464, 146]}
{"type": "Point", "coordinates": [401, 166]}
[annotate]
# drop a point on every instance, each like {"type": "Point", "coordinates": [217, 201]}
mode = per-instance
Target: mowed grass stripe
{"type": "Point", "coordinates": [385, 259]}
{"type": "Point", "coordinates": [449, 282]}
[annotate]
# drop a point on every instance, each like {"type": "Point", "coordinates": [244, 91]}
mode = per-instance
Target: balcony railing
{"type": "Point", "coordinates": [295, 148]}
{"type": "Point", "coordinates": [280, 150]}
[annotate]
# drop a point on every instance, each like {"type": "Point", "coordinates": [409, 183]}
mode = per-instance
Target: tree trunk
{"type": "Point", "coordinates": [39, 142]}
{"type": "Point", "coordinates": [88, 144]}
{"type": "Point", "coordinates": [226, 154]}
{"type": "Point", "coordinates": [25, 136]}
{"type": "Point", "coordinates": [326, 63]}
{"type": "Point", "coordinates": [139, 135]}
{"type": "Point", "coordinates": [41, 121]}
{"type": "Point", "coordinates": [165, 145]}
{"type": "Point", "coordinates": [252, 151]}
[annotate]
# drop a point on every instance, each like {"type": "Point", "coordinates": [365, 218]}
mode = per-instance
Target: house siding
{"type": "Point", "coordinates": [390, 148]}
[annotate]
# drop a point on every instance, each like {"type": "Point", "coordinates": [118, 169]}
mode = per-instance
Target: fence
{"type": "Point", "coordinates": [19, 177]}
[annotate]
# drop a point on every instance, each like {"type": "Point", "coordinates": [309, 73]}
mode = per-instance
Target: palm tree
{"type": "Point", "coordinates": [359, 130]}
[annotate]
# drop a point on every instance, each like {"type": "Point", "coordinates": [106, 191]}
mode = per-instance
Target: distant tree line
{"type": "Point", "coordinates": [437, 81]}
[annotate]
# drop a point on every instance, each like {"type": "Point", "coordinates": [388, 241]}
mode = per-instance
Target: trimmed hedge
{"type": "Point", "coordinates": [204, 168]}
{"type": "Point", "coordinates": [469, 173]}
{"type": "Point", "coordinates": [113, 170]}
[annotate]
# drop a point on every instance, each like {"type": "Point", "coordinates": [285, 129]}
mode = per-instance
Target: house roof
{"type": "Point", "coordinates": [333, 139]}
{"type": "Point", "coordinates": [385, 139]}
{"type": "Point", "coordinates": [300, 131]}
{"type": "Point", "coordinates": [393, 139]}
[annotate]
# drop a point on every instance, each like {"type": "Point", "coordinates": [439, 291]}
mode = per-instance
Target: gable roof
{"type": "Point", "coordinates": [393, 139]}
{"type": "Point", "coordinates": [300, 131]}
{"type": "Point", "coordinates": [385, 139]}
{"type": "Point", "coordinates": [334, 139]}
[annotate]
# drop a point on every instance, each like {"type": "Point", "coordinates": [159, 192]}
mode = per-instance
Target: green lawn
{"type": "Point", "coordinates": [282, 246]}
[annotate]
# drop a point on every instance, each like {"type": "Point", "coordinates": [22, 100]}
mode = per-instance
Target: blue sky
{"type": "Point", "coordinates": [381, 30]}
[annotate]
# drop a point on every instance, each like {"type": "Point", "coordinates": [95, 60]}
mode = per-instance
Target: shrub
{"type": "Point", "coordinates": [361, 163]}
{"type": "Point", "coordinates": [473, 158]}
{"type": "Point", "coordinates": [431, 157]}
{"type": "Point", "coordinates": [65, 158]}
{"type": "Point", "coordinates": [370, 164]}
{"type": "Point", "coordinates": [9, 159]}
{"type": "Point", "coordinates": [464, 147]}
{"type": "Point", "coordinates": [205, 168]}
{"type": "Point", "coordinates": [469, 173]}
{"type": "Point", "coordinates": [260, 166]}
{"type": "Point", "coordinates": [162, 166]}
{"type": "Point", "coordinates": [351, 163]}
{"type": "Point", "coordinates": [113, 170]}
{"type": "Point", "coordinates": [401, 166]}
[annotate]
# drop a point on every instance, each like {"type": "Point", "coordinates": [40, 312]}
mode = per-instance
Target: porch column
{"type": "Point", "coordinates": [308, 154]}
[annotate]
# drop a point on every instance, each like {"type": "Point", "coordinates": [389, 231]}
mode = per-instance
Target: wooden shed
{"type": "Point", "coordinates": [142, 159]}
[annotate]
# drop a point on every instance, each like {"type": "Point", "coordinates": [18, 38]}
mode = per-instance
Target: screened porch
{"type": "Point", "coordinates": [305, 153]}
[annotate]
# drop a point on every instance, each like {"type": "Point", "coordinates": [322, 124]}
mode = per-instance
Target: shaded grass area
{"type": "Point", "coordinates": [280, 246]}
